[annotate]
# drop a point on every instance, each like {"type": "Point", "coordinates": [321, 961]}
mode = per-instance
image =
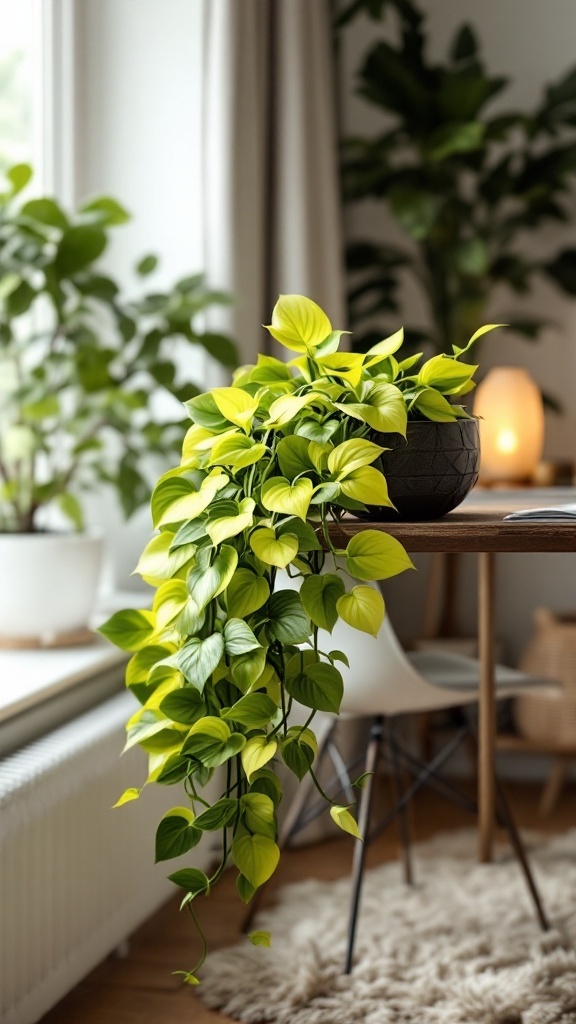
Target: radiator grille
{"type": "Point", "coordinates": [75, 877]}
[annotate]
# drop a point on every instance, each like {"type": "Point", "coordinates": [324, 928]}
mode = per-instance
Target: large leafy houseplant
{"type": "Point", "coordinates": [80, 366]}
{"type": "Point", "coordinates": [467, 187]}
{"type": "Point", "coordinates": [229, 646]}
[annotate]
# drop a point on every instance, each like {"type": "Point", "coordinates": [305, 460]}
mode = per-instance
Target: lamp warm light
{"type": "Point", "coordinates": [511, 413]}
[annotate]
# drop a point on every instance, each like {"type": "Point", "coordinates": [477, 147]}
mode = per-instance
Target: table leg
{"type": "Point", "coordinates": [487, 705]}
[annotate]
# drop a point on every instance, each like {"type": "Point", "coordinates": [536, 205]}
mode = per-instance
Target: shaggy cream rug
{"type": "Point", "coordinates": [461, 947]}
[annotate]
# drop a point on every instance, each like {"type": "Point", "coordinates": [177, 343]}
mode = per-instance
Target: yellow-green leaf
{"type": "Point", "coordinates": [256, 857]}
{"type": "Point", "coordinates": [368, 485]}
{"type": "Point", "coordinates": [246, 593]}
{"type": "Point", "coordinates": [351, 455]}
{"type": "Point", "coordinates": [299, 323]}
{"type": "Point", "coordinates": [445, 374]}
{"type": "Point", "coordinates": [257, 752]}
{"type": "Point", "coordinates": [170, 599]}
{"type": "Point", "coordinates": [127, 796]}
{"type": "Point", "coordinates": [192, 503]}
{"type": "Point", "coordinates": [477, 334]}
{"type": "Point", "coordinates": [372, 555]}
{"type": "Point", "coordinates": [345, 365]}
{"type": "Point", "coordinates": [230, 526]}
{"type": "Point", "coordinates": [236, 405]}
{"type": "Point", "coordinates": [130, 629]}
{"type": "Point", "coordinates": [260, 938]}
{"type": "Point", "coordinates": [362, 608]}
{"type": "Point", "coordinates": [342, 817]}
{"type": "Point", "coordinates": [385, 348]}
{"type": "Point", "coordinates": [435, 407]}
{"type": "Point", "coordinates": [384, 409]}
{"type": "Point", "coordinates": [158, 563]}
{"type": "Point", "coordinates": [286, 407]}
{"type": "Point", "coordinates": [279, 495]}
{"type": "Point", "coordinates": [195, 441]}
{"type": "Point", "coordinates": [237, 451]}
{"type": "Point", "coordinates": [273, 550]}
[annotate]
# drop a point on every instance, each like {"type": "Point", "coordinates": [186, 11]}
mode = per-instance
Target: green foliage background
{"type": "Point", "coordinates": [80, 366]}
{"type": "Point", "coordinates": [469, 188]}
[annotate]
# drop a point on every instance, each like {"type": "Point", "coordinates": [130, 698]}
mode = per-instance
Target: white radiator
{"type": "Point", "coordinates": [75, 877]}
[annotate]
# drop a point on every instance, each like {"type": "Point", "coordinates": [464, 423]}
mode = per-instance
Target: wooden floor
{"type": "Point", "coordinates": [140, 988]}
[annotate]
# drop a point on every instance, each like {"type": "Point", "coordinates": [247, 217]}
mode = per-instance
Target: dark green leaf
{"type": "Point", "coordinates": [185, 705]}
{"type": "Point", "coordinates": [147, 265]}
{"type": "Point", "coordinates": [217, 816]}
{"type": "Point", "coordinates": [254, 711]}
{"type": "Point", "coordinates": [106, 211]}
{"type": "Point", "coordinates": [319, 596]}
{"type": "Point", "coordinates": [176, 834]}
{"type": "Point", "coordinates": [191, 879]}
{"type": "Point", "coordinates": [45, 211]}
{"type": "Point", "coordinates": [78, 247]}
{"type": "Point", "coordinates": [288, 622]}
{"type": "Point", "coordinates": [317, 686]}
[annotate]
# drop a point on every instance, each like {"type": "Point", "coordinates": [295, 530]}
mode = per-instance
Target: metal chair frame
{"type": "Point", "coordinates": [383, 745]}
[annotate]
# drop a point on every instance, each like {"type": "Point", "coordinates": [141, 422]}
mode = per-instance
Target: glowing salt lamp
{"type": "Point", "coordinates": [511, 413]}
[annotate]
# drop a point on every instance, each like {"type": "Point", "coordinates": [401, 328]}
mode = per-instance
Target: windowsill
{"type": "Point", "coordinates": [28, 678]}
{"type": "Point", "coordinates": [42, 689]}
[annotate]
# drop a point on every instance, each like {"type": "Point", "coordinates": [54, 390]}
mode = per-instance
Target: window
{"type": "Point", "coordinates": [20, 83]}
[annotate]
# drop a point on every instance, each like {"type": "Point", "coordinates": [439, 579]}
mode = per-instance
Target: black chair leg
{"type": "Point", "coordinates": [403, 812]}
{"type": "Point", "coordinates": [372, 754]}
{"type": "Point", "coordinates": [507, 819]}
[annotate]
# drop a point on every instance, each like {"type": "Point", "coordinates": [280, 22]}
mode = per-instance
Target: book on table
{"type": "Point", "coordinates": [558, 514]}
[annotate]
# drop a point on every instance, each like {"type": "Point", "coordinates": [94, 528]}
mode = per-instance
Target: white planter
{"type": "Point", "coordinates": [48, 584]}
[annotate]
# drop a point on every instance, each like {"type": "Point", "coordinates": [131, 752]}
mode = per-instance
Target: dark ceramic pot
{"type": "Point", "coordinates": [431, 472]}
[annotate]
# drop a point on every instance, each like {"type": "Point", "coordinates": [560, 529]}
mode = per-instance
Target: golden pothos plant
{"type": "Point", "coordinates": [229, 647]}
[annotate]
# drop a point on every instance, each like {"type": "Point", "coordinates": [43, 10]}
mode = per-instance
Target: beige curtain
{"type": "Point", "coordinates": [272, 206]}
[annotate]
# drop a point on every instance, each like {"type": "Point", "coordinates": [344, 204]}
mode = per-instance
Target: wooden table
{"type": "Point", "coordinates": [484, 533]}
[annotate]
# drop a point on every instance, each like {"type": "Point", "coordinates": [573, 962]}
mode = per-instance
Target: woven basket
{"type": "Point", "coordinates": [549, 717]}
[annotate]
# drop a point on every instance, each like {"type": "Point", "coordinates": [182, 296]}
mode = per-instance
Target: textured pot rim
{"type": "Point", "coordinates": [53, 537]}
{"type": "Point", "coordinates": [426, 424]}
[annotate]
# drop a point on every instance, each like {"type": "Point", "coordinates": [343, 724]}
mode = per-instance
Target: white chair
{"type": "Point", "coordinates": [382, 683]}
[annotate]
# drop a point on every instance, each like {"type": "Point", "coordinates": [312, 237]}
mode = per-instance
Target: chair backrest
{"type": "Point", "coordinates": [380, 679]}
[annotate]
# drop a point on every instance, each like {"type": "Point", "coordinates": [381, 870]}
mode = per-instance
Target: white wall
{"type": "Point", "coordinates": [532, 43]}
{"type": "Point", "coordinates": [137, 136]}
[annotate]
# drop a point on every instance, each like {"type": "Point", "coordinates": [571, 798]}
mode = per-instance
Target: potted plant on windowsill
{"type": "Point", "coordinates": [229, 647]}
{"type": "Point", "coordinates": [80, 369]}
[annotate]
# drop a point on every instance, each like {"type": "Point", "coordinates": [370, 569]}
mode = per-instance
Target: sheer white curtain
{"type": "Point", "coordinates": [272, 205]}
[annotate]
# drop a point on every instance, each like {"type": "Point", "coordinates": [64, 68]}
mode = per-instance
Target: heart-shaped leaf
{"type": "Point", "coordinates": [256, 857]}
{"type": "Point", "coordinates": [246, 593]}
{"type": "Point", "coordinates": [272, 549]}
{"type": "Point", "coordinates": [299, 323]}
{"type": "Point", "coordinates": [197, 659]}
{"type": "Point", "coordinates": [238, 637]}
{"type": "Point", "coordinates": [257, 752]}
{"type": "Point", "coordinates": [288, 622]}
{"type": "Point", "coordinates": [362, 608]}
{"type": "Point", "coordinates": [176, 834]}
{"type": "Point", "coordinates": [315, 684]}
{"type": "Point", "coordinates": [319, 595]}
{"type": "Point", "coordinates": [212, 743]}
{"type": "Point", "coordinates": [372, 555]}
{"type": "Point", "coordinates": [279, 495]}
